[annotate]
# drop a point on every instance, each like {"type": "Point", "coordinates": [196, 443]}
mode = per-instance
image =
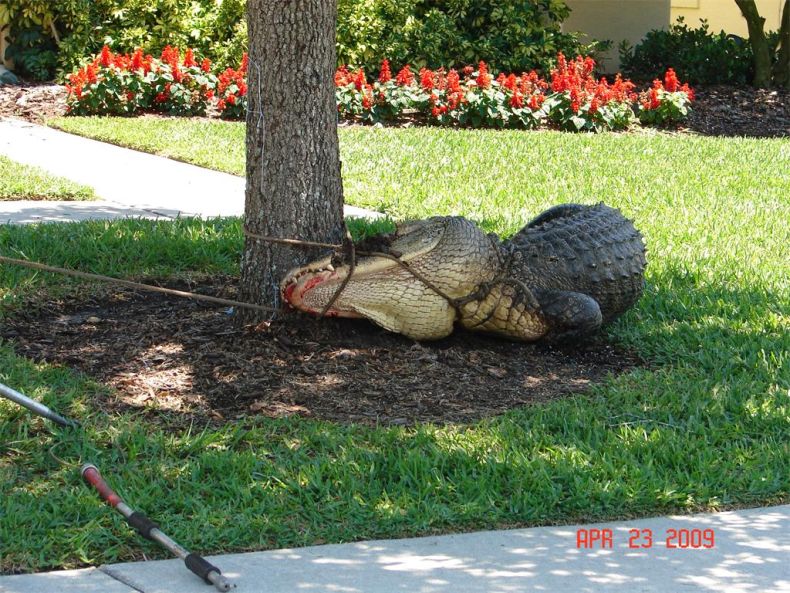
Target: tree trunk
{"type": "Point", "coordinates": [294, 188]}
{"type": "Point", "coordinates": [758, 41]}
{"type": "Point", "coordinates": [782, 65]}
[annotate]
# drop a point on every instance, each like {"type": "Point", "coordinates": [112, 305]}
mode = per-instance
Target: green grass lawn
{"type": "Point", "coordinates": [22, 182]}
{"type": "Point", "coordinates": [704, 426]}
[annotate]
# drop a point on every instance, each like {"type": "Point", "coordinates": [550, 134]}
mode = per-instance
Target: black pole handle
{"type": "Point", "coordinates": [201, 567]}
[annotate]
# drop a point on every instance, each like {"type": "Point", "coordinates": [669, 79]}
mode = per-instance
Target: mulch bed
{"type": "Point", "coordinates": [173, 355]}
{"type": "Point", "coordinates": [32, 101]}
{"type": "Point", "coordinates": [718, 111]}
{"type": "Point", "coordinates": [727, 111]}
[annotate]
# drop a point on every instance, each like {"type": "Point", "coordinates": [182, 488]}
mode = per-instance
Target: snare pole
{"type": "Point", "coordinates": [34, 406]}
{"type": "Point", "coordinates": [150, 530]}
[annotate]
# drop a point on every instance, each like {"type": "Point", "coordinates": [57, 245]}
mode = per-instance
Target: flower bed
{"type": "Point", "coordinates": [572, 99]}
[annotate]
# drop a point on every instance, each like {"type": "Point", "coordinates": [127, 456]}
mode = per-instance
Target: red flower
{"type": "Point", "coordinates": [342, 76]}
{"type": "Point", "coordinates": [137, 59]}
{"type": "Point", "coordinates": [231, 99]}
{"type": "Point", "coordinates": [122, 62]}
{"type": "Point", "coordinates": [517, 100]}
{"type": "Point", "coordinates": [359, 79]}
{"type": "Point", "coordinates": [468, 71]}
{"type": "Point", "coordinates": [189, 58]}
{"type": "Point", "coordinates": [654, 100]}
{"type": "Point", "coordinates": [367, 97]}
{"type": "Point", "coordinates": [205, 65]}
{"type": "Point", "coordinates": [454, 100]}
{"type": "Point", "coordinates": [426, 79]}
{"type": "Point", "coordinates": [405, 77]}
{"type": "Point", "coordinates": [671, 83]}
{"type": "Point", "coordinates": [91, 73]}
{"type": "Point", "coordinates": [483, 77]}
{"type": "Point", "coordinates": [385, 75]}
{"type": "Point", "coordinates": [106, 57]}
{"type": "Point", "coordinates": [210, 94]}
{"type": "Point", "coordinates": [245, 58]}
{"type": "Point", "coordinates": [453, 82]}
{"type": "Point", "coordinates": [594, 105]}
{"type": "Point", "coordinates": [170, 56]}
{"type": "Point", "coordinates": [221, 105]}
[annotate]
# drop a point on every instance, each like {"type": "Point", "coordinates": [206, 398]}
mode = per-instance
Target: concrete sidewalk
{"type": "Point", "coordinates": [130, 183]}
{"type": "Point", "coordinates": [750, 553]}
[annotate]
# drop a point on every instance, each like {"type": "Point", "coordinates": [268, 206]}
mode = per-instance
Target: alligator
{"type": "Point", "coordinates": [569, 271]}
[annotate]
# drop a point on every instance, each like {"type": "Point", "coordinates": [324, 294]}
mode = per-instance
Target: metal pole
{"type": "Point", "coordinates": [35, 407]}
{"type": "Point", "coordinates": [150, 530]}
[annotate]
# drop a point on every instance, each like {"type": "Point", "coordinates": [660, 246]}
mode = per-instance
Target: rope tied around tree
{"type": "Point", "coordinates": [346, 251]}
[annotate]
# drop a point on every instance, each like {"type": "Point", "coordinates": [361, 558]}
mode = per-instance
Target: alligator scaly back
{"type": "Point", "coordinates": [592, 250]}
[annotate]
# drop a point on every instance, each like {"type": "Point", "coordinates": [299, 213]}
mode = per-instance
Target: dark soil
{"type": "Point", "coordinates": [32, 101]}
{"type": "Point", "coordinates": [727, 111]}
{"type": "Point", "coordinates": [166, 354]}
{"type": "Point", "coordinates": [717, 111]}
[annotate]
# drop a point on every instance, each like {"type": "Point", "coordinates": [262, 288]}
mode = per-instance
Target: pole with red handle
{"type": "Point", "coordinates": [150, 530]}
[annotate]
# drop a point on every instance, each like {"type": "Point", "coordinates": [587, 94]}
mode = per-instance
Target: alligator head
{"type": "Point", "coordinates": [452, 253]}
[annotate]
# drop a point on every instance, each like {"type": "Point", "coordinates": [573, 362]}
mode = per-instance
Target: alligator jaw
{"type": "Point", "coordinates": [298, 284]}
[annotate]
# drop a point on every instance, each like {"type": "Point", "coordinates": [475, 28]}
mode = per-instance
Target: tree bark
{"type": "Point", "coordinates": [782, 66]}
{"type": "Point", "coordinates": [758, 41]}
{"type": "Point", "coordinates": [294, 188]}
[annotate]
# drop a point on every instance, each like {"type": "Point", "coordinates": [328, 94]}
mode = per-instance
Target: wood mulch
{"type": "Point", "coordinates": [32, 101]}
{"type": "Point", "coordinates": [718, 110]}
{"type": "Point", "coordinates": [180, 358]}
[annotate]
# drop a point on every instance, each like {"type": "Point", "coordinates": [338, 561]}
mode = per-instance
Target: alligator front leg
{"type": "Point", "coordinates": [569, 315]}
{"type": "Point", "coordinates": [506, 309]}
{"type": "Point", "coordinates": [514, 311]}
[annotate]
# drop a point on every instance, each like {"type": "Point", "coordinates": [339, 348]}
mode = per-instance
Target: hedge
{"type": "Point", "coordinates": [516, 35]}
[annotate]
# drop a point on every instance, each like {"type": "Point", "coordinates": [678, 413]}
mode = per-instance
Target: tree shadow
{"type": "Point", "coordinates": [177, 356]}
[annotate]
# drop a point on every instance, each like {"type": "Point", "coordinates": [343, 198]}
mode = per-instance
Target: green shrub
{"type": "Point", "coordinates": [518, 36]}
{"type": "Point", "coordinates": [59, 36]}
{"type": "Point", "coordinates": [34, 53]}
{"type": "Point", "coordinates": [699, 56]}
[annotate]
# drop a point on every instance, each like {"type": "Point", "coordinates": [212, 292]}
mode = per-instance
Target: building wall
{"type": "Point", "coordinates": [725, 14]}
{"type": "Point", "coordinates": [617, 20]}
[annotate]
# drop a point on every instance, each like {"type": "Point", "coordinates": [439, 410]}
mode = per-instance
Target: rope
{"type": "Point", "coordinates": [350, 255]}
{"type": "Point", "coordinates": [294, 242]}
{"type": "Point", "coordinates": [134, 285]}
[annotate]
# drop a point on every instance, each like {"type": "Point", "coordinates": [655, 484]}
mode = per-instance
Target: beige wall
{"type": "Point", "coordinates": [617, 20]}
{"type": "Point", "coordinates": [724, 14]}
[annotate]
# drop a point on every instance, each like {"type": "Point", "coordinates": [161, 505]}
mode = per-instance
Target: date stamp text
{"type": "Point", "coordinates": [695, 539]}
